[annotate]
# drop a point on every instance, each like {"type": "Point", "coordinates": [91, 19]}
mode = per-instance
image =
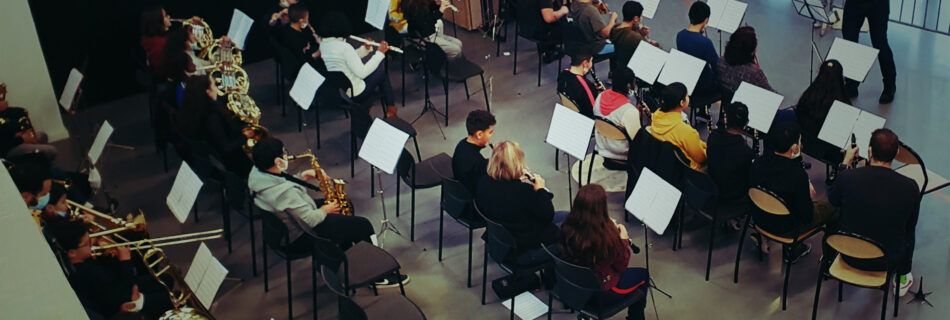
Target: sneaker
{"type": "Point", "coordinates": [907, 281]}
{"type": "Point", "coordinates": [392, 281]}
{"type": "Point", "coordinates": [792, 255]}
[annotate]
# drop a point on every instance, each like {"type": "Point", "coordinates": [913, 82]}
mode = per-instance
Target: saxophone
{"type": "Point", "coordinates": [333, 189]}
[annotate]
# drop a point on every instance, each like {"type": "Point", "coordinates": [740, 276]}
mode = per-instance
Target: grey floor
{"type": "Point", "coordinates": [523, 110]}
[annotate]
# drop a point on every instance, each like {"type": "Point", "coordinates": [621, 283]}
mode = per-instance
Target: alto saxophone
{"type": "Point", "coordinates": [334, 190]}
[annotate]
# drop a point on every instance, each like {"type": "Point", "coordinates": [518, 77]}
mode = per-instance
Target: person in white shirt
{"type": "Point", "coordinates": [360, 67]}
{"type": "Point", "coordinates": [617, 106]}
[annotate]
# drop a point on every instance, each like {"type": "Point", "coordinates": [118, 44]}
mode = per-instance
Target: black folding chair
{"type": "Point", "coordinates": [702, 196]}
{"type": "Point", "coordinates": [458, 203]}
{"type": "Point", "coordinates": [458, 70]}
{"type": "Point", "coordinates": [276, 237]}
{"type": "Point", "coordinates": [421, 175]}
{"type": "Point", "coordinates": [580, 289]}
{"type": "Point", "coordinates": [856, 247]}
{"type": "Point", "coordinates": [385, 307]}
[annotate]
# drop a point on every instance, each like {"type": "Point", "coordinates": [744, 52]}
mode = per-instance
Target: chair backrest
{"type": "Point", "coordinates": [435, 58]}
{"type": "Point", "coordinates": [610, 130]}
{"type": "Point", "coordinates": [347, 308]}
{"type": "Point", "coordinates": [499, 242]}
{"type": "Point", "coordinates": [768, 201]}
{"type": "Point", "coordinates": [405, 165]}
{"type": "Point", "coordinates": [327, 253]}
{"type": "Point", "coordinates": [855, 245]}
{"type": "Point", "coordinates": [455, 197]}
{"type": "Point", "coordinates": [567, 102]}
{"type": "Point", "coordinates": [275, 234]}
{"type": "Point", "coordinates": [907, 155]}
{"type": "Point", "coordinates": [700, 191]}
{"type": "Point", "coordinates": [289, 64]}
{"type": "Point", "coordinates": [575, 285]}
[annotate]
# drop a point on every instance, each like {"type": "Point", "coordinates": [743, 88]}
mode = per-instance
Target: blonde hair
{"type": "Point", "coordinates": [506, 161]}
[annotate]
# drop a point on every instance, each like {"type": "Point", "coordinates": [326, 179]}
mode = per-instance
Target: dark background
{"type": "Point", "coordinates": [97, 36]}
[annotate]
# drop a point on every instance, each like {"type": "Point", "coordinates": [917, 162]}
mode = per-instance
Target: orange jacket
{"type": "Point", "coordinates": [669, 126]}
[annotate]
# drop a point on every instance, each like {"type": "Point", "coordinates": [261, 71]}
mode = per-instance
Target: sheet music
{"type": "Point", "coordinates": [855, 58]}
{"type": "Point", "coordinates": [839, 124]}
{"type": "Point", "coordinates": [98, 145]}
{"type": "Point", "coordinates": [653, 201]}
{"type": "Point", "coordinates": [240, 27]}
{"type": "Point", "coordinates": [184, 192]}
{"type": "Point", "coordinates": [376, 11]}
{"type": "Point", "coordinates": [681, 67]}
{"type": "Point", "coordinates": [383, 145]}
{"type": "Point", "coordinates": [306, 85]}
{"type": "Point", "coordinates": [570, 131]}
{"type": "Point", "coordinates": [865, 125]}
{"type": "Point", "coordinates": [716, 8]}
{"type": "Point", "coordinates": [649, 7]}
{"type": "Point", "coordinates": [763, 104]}
{"type": "Point", "coordinates": [205, 275]}
{"type": "Point", "coordinates": [647, 61]}
{"type": "Point", "coordinates": [527, 306]}
{"type": "Point", "coordinates": [70, 90]}
{"type": "Point", "coordinates": [732, 16]}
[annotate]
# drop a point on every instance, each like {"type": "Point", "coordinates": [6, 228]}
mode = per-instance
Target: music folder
{"type": "Point", "coordinates": [570, 131]}
{"type": "Point", "coordinates": [681, 67]}
{"type": "Point", "coordinates": [649, 8]}
{"type": "Point", "coordinates": [240, 27]}
{"type": "Point", "coordinates": [647, 61]}
{"type": "Point", "coordinates": [763, 104]}
{"type": "Point", "coordinates": [71, 89]}
{"type": "Point", "coordinates": [855, 58]}
{"type": "Point", "coordinates": [306, 85]}
{"type": "Point", "coordinates": [383, 145]}
{"type": "Point", "coordinates": [653, 201]}
{"type": "Point", "coordinates": [184, 192]}
{"type": "Point", "coordinates": [205, 275]}
{"type": "Point", "coordinates": [843, 120]}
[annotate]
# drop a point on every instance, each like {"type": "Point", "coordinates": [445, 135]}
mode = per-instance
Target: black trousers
{"type": "Point", "coordinates": [876, 12]}
{"type": "Point", "coordinates": [344, 231]}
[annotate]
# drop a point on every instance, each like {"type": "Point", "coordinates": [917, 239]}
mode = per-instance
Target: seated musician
{"type": "Point", "coordinates": [781, 173]}
{"type": "Point", "coordinates": [178, 56]}
{"type": "Point", "coordinates": [627, 35]}
{"type": "Point", "coordinates": [205, 118]}
{"type": "Point", "coordinates": [108, 287]}
{"type": "Point", "coordinates": [285, 196]}
{"type": "Point", "coordinates": [279, 15]}
{"type": "Point", "coordinates": [297, 37]}
{"type": "Point", "coordinates": [425, 21]}
{"type": "Point", "coordinates": [364, 71]}
{"type": "Point", "coordinates": [574, 84]}
{"type": "Point", "coordinates": [694, 42]}
{"type": "Point", "coordinates": [590, 238]}
{"type": "Point", "coordinates": [541, 24]}
{"type": "Point", "coordinates": [881, 204]}
{"type": "Point", "coordinates": [739, 62]}
{"type": "Point", "coordinates": [616, 105]}
{"type": "Point", "coordinates": [519, 201]}
{"type": "Point", "coordinates": [813, 107]}
{"type": "Point", "coordinates": [729, 156]}
{"type": "Point", "coordinates": [468, 164]}
{"type": "Point", "coordinates": [17, 135]}
{"type": "Point", "coordinates": [668, 125]}
{"type": "Point", "coordinates": [155, 25]}
{"type": "Point", "coordinates": [31, 175]}
{"type": "Point", "coordinates": [590, 31]}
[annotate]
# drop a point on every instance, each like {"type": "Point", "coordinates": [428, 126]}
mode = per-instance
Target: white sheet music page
{"type": "Point", "coordinates": [306, 85]}
{"type": "Point", "coordinates": [240, 27]}
{"type": "Point", "coordinates": [527, 306]}
{"type": "Point", "coordinates": [647, 61]}
{"type": "Point", "coordinates": [653, 201]}
{"type": "Point", "coordinates": [732, 16]}
{"type": "Point", "coordinates": [716, 7]}
{"type": "Point", "coordinates": [98, 145]}
{"type": "Point", "coordinates": [383, 145]}
{"type": "Point", "coordinates": [839, 124]}
{"type": "Point", "coordinates": [649, 7]}
{"type": "Point", "coordinates": [376, 11]}
{"type": "Point", "coordinates": [855, 58]}
{"type": "Point", "coordinates": [183, 193]}
{"type": "Point", "coordinates": [205, 275]}
{"type": "Point", "coordinates": [570, 131]}
{"type": "Point", "coordinates": [763, 104]}
{"type": "Point", "coordinates": [865, 125]}
{"type": "Point", "coordinates": [681, 67]}
{"type": "Point", "coordinates": [70, 90]}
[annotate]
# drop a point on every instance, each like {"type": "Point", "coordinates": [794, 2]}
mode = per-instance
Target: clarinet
{"type": "Point", "coordinates": [600, 85]}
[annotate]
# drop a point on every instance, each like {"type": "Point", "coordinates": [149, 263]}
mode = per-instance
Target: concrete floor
{"type": "Point", "coordinates": [523, 110]}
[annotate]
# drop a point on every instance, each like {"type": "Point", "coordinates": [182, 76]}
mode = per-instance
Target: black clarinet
{"type": "Point", "coordinates": [600, 85]}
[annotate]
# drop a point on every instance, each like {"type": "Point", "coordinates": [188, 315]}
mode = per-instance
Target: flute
{"type": "Point", "coordinates": [374, 43]}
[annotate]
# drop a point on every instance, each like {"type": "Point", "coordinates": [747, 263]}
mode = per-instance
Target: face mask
{"type": "Point", "coordinates": [194, 46]}
{"type": "Point", "coordinates": [797, 154]}
{"type": "Point", "coordinates": [61, 213]}
{"type": "Point", "coordinates": [282, 165]}
{"type": "Point", "coordinates": [303, 26]}
{"type": "Point", "coordinates": [41, 202]}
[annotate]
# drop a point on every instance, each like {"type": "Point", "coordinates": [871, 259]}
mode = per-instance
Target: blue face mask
{"type": "Point", "coordinates": [61, 213]}
{"type": "Point", "coordinates": [41, 203]}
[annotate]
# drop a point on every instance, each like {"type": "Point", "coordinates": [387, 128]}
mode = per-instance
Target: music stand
{"type": "Point", "coordinates": [815, 11]}
{"type": "Point", "coordinates": [654, 202]}
{"type": "Point", "coordinates": [428, 106]}
{"type": "Point", "coordinates": [382, 149]}
{"type": "Point", "coordinates": [570, 132]}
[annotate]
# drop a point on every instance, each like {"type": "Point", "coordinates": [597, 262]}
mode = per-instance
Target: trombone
{"type": "Point", "coordinates": [138, 223]}
{"type": "Point", "coordinates": [148, 244]}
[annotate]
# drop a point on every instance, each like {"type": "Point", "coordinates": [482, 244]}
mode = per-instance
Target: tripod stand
{"type": "Point", "coordinates": [385, 225]}
{"type": "Point", "coordinates": [818, 15]}
{"type": "Point", "coordinates": [428, 106]}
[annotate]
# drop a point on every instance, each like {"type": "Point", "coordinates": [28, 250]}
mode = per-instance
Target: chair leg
{"type": "Point", "coordinates": [264, 255]}
{"type": "Point", "coordinates": [467, 95]}
{"type": "Point", "coordinates": [897, 296]}
{"type": "Point", "coordinates": [412, 214]}
{"type": "Point", "coordinates": [353, 154]}
{"type": "Point", "coordinates": [402, 288]}
{"type": "Point", "coordinates": [511, 313]}
{"type": "Point", "coordinates": [550, 305]}
{"type": "Point", "coordinates": [557, 159]}
{"type": "Point", "coordinates": [840, 291]}
{"type": "Point", "coordinates": [372, 184]}
{"type": "Point", "coordinates": [814, 307]}
{"type": "Point", "coordinates": [470, 232]}
{"type": "Point", "coordinates": [887, 289]}
{"type": "Point", "coordinates": [403, 79]}
{"type": "Point", "coordinates": [712, 237]}
{"type": "Point", "coordinates": [484, 273]}
{"type": "Point", "coordinates": [539, 62]}
{"type": "Point", "coordinates": [398, 196]}
{"type": "Point", "coordinates": [313, 286]}
{"type": "Point", "coordinates": [445, 87]}
{"type": "Point", "coordinates": [590, 167]}
{"type": "Point", "coordinates": [745, 227]}
{"type": "Point", "coordinates": [514, 68]}
{"type": "Point", "coordinates": [226, 217]}
{"type": "Point", "coordinates": [485, 92]}
{"type": "Point", "coordinates": [250, 210]}
{"type": "Point", "coordinates": [441, 222]}
{"type": "Point", "coordinates": [317, 120]}
{"type": "Point", "coordinates": [788, 271]}
{"type": "Point", "coordinates": [290, 294]}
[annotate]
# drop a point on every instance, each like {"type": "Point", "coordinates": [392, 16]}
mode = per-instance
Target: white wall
{"type": "Point", "coordinates": [23, 69]}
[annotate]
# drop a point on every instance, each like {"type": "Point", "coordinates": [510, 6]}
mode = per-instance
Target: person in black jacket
{"type": "Point", "coordinates": [574, 84]}
{"type": "Point", "coordinates": [468, 165]}
{"type": "Point", "coordinates": [204, 118]}
{"type": "Point", "coordinates": [879, 203]}
{"type": "Point", "coordinates": [297, 37]}
{"type": "Point", "coordinates": [728, 156]}
{"type": "Point", "coordinates": [517, 200]}
{"type": "Point", "coordinates": [425, 21]}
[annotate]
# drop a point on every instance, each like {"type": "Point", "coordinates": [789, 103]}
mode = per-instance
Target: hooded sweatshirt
{"type": "Point", "coordinates": [286, 199]}
{"type": "Point", "coordinates": [617, 108]}
{"type": "Point", "coordinates": [669, 126]}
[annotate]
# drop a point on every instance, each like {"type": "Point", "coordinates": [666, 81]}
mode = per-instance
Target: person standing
{"type": "Point", "coordinates": [876, 12]}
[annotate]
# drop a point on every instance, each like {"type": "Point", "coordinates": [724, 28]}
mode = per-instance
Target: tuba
{"type": "Point", "coordinates": [333, 189]}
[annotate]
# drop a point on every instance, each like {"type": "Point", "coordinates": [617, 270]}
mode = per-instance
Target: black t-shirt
{"type": "Point", "coordinates": [530, 21]}
{"type": "Point", "coordinates": [12, 121]}
{"type": "Point", "coordinates": [104, 286]}
{"type": "Point", "coordinates": [422, 24]}
{"type": "Point", "coordinates": [728, 159]}
{"type": "Point", "coordinates": [523, 211]}
{"type": "Point", "coordinates": [569, 84]}
{"type": "Point", "coordinates": [786, 178]}
{"type": "Point", "coordinates": [468, 165]}
{"type": "Point", "coordinates": [297, 43]}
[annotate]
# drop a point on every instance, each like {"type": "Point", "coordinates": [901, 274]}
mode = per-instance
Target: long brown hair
{"type": "Point", "coordinates": [588, 236]}
{"type": "Point", "coordinates": [415, 7]}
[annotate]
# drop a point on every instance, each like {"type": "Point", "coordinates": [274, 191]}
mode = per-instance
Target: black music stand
{"type": "Point", "coordinates": [382, 149]}
{"type": "Point", "coordinates": [813, 10]}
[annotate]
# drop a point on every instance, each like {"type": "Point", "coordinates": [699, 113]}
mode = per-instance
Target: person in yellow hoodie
{"type": "Point", "coordinates": [396, 19]}
{"type": "Point", "coordinates": [668, 125]}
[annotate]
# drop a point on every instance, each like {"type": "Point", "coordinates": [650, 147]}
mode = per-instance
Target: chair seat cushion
{"type": "Point", "coordinates": [368, 263]}
{"type": "Point", "coordinates": [787, 240]}
{"type": "Point", "coordinates": [606, 303]}
{"type": "Point", "coordinates": [402, 125]}
{"type": "Point", "coordinates": [428, 171]}
{"type": "Point", "coordinates": [843, 271]}
{"type": "Point", "coordinates": [934, 180]}
{"type": "Point", "coordinates": [461, 69]}
{"type": "Point", "coordinates": [390, 307]}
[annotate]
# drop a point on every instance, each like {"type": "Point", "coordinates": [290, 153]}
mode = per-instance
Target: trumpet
{"type": "Point", "coordinates": [374, 43]}
{"type": "Point", "coordinates": [162, 242]}
{"type": "Point", "coordinates": [136, 223]}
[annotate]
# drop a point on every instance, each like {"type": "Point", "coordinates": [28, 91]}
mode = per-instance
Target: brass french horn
{"type": "Point", "coordinates": [201, 30]}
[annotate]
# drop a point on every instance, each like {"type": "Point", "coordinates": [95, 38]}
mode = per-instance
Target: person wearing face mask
{"type": "Point", "coordinates": [298, 38]}
{"type": "Point", "coordinates": [279, 15]}
{"type": "Point", "coordinates": [204, 117]}
{"type": "Point", "coordinates": [781, 173]}
{"type": "Point", "coordinates": [668, 125]}
{"type": "Point", "coordinates": [617, 106]}
{"type": "Point", "coordinates": [31, 175]}
{"type": "Point", "coordinates": [573, 83]}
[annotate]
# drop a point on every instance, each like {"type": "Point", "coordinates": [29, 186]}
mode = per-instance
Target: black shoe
{"type": "Point", "coordinates": [886, 97]}
{"type": "Point", "coordinates": [851, 91]}
{"type": "Point", "coordinates": [792, 255]}
{"type": "Point", "coordinates": [392, 281]}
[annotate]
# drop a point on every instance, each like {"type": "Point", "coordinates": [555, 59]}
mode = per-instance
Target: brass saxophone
{"type": "Point", "coordinates": [334, 190]}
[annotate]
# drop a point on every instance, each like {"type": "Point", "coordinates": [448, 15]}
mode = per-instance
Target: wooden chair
{"type": "Point", "coordinates": [610, 131]}
{"type": "Point", "coordinates": [914, 168]}
{"type": "Point", "coordinates": [855, 246]}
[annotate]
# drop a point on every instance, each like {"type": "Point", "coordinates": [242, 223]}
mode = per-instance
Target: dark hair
{"type": "Point", "coordinates": [698, 12]}
{"type": "Point", "coordinates": [622, 79]}
{"type": "Point", "coordinates": [737, 115]}
{"type": "Point", "coordinates": [827, 87]}
{"type": "Point", "coordinates": [632, 9]}
{"type": "Point", "coordinates": [29, 172]}
{"type": "Point", "coordinates": [415, 7]}
{"type": "Point", "coordinates": [335, 25]}
{"type": "Point", "coordinates": [177, 61]}
{"type": "Point", "coordinates": [588, 236]}
{"type": "Point", "coordinates": [478, 120]}
{"type": "Point", "coordinates": [884, 144]}
{"type": "Point", "coordinates": [741, 46]}
{"type": "Point", "coordinates": [783, 135]}
{"type": "Point", "coordinates": [265, 151]}
{"type": "Point", "coordinates": [69, 233]}
{"type": "Point", "coordinates": [579, 58]}
{"type": "Point", "coordinates": [153, 21]}
{"type": "Point", "coordinates": [297, 11]}
{"type": "Point", "coordinates": [673, 94]}
{"type": "Point", "coordinates": [196, 107]}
